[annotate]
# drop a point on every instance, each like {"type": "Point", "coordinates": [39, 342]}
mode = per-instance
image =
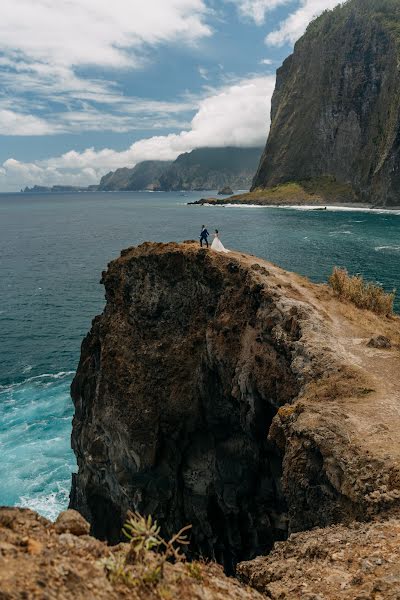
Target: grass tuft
{"type": "Point", "coordinates": [362, 293]}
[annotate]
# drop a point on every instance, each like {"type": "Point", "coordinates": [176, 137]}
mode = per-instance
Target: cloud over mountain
{"type": "Point", "coordinates": [236, 115]}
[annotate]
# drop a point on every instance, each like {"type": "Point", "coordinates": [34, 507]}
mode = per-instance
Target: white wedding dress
{"type": "Point", "coordinates": [217, 245]}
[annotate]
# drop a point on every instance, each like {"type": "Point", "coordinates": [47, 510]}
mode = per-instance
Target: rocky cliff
{"type": "Point", "coordinates": [336, 107]}
{"type": "Point", "coordinates": [201, 169]}
{"type": "Point", "coordinates": [212, 169]}
{"type": "Point", "coordinates": [224, 392]}
{"type": "Point", "coordinates": [143, 176]}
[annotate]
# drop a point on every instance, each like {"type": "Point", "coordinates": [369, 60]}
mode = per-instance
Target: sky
{"type": "Point", "coordinates": [88, 86]}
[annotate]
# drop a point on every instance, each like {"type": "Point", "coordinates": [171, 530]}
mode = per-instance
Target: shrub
{"type": "Point", "coordinates": [362, 293]}
{"type": "Point", "coordinates": [148, 552]}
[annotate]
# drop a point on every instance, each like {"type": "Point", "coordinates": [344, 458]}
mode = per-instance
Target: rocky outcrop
{"type": "Point", "coordinates": [225, 191]}
{"type": "Point", "coordinates": [356, 562]}
{"type": "Point", "coordinates": [223, 392]}
{"type": "Point", "coordinates": [40, 559]}
{"type": "Point", "coordinates": [212, 169]}
{"type": "Point", "coordinates": [336, 107]}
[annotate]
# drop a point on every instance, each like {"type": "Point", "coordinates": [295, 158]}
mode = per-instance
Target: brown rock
{"type": "Point", "coordinates": [36, 562]}
{"type": "Point", "coordinates": [234, 398]}
{"type": "Point", "coordinates": [289, 572]}
{"type": "Point", "coordinates": [70, 521]}
{"type": "Point", "coordinates": [380, 341]}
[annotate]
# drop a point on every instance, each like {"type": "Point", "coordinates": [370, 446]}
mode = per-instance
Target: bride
{"type": "Point", "coordinates": [217, 244]}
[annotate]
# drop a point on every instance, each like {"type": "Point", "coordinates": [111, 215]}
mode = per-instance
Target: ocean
{"type": "Point", "coordinates": [53, 248]}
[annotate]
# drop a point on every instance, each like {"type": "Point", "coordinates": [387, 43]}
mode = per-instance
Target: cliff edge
{"type": "Point", "coordinates": [60, 561]}
{"type": "Point", "coordinates": [224, 392]}
{"type": "Point", "coordinates": [336, 108]}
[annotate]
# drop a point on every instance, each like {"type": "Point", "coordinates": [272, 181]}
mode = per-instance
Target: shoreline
{"type": "Point", "coordinates": [339, 207]}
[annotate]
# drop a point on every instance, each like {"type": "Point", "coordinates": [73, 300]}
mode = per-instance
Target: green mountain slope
{"type": "Point", "coordinates": [336, 107]}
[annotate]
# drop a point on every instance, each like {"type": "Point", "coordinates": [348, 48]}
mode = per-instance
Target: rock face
{"type": "Point", "coordinates": [216, 390]}
{"type": "Point", "coordinates": [212, 169]}
{"type": "Point", "coordinates": [336, 106]}
{"type": "Point", "coordinates": [201, 169]}
{"type": "Point", "coordinates": [39, 559]}
{"type": "Point", "coordinates": [145, 175]}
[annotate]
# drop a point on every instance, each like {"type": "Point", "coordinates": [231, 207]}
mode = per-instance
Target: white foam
{"type": "Point", "coordinates": [393, 248]}
{"type": "Point", "coordinates": [310, 207]}
{"type": "Point", "coordinates": [47, 505]}
{"type": "Point", "coordinates": [51, 376]}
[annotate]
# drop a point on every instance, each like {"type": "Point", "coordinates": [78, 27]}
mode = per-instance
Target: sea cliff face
{"type": "Point", "coordinates": [223, 392]}
{"type": "Point", "coordinates": [143, 176]}
{"type": "Point", "coordinates": [212, 169]}
{"type": "Point", "coordinates": [336, 107]}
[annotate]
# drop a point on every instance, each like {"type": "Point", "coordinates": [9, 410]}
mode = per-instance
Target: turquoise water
{"type": "Point", "coordinates": [52, 251]}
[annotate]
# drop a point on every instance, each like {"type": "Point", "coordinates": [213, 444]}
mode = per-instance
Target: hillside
{"type": "Point", "coordinates": [212, 169]}
{"type": "Point", "coordinates": [143, 176]}
{"type": "Point", "coordinates": [201, 169]}
{"type": "Point", "coordinates": [336, 107]}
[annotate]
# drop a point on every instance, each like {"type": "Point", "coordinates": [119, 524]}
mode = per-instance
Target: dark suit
{"type": "Point", "coordinates": [203, 237]}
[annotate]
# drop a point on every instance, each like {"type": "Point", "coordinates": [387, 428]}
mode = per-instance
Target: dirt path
{"type": "Point", "coordinates": [371, 421]}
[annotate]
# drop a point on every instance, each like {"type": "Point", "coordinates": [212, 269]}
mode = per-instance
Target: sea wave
{"type": "Point", "coordinates": [311, 207]}
{"type": "Point", "coordinates": [35, 428]}
{"type": "Point", "coordinates": [393, 248]}
{"type": "Point", "coordinates": [36, 378]}
{"type": "Point", "coordinates": [48, 505]}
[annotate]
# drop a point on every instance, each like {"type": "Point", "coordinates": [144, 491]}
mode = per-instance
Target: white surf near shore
{"type": "Point", "coordinates": [355, 208]}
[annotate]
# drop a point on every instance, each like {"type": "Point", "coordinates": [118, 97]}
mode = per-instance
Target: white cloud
{"type": "Point", "coordinates": [237, 115]}
{"type": "Point", "coordinates": [292, 28]}
{"type": "Point", "coordinates": [257, 9]}
{"type": "Point", "coordinates": [15, 123]}
{"type": "Point", "coordinates": [46, 47]}
{"type": "Point", "coordinates": [16, 174]}
{"type": "Point", "coordinates": [123, 114]}
{"type": "Point", "coordinates": [203, 72]}
{"type": "Point", "coordinates": [266, 61]}
{"type": "Point", "coordinates": [96, 32]}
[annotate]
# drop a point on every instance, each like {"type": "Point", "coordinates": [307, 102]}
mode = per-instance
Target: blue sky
{"type": "Point", "coordinates": [92, 85]}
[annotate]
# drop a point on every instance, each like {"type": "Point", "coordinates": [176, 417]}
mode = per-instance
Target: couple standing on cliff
{"type": "Point", "coordinates": [216, 244]}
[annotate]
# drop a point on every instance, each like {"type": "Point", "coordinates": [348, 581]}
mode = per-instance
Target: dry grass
{"type": "Point", "coordinates": [362, 293]}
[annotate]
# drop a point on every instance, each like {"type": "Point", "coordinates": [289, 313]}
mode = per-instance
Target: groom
{"type": "Point", "coordinates": [203, 236]}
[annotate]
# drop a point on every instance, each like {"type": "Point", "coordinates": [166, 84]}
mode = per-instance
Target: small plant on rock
{"type": "Point", "coordinates": [148, 552]}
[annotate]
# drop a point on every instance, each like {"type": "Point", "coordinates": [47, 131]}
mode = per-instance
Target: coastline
{"type": "Point", "coordinates": [345, 206]}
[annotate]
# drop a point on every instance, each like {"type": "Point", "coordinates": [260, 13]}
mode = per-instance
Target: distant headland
{"type": "Point", "coordinates": [201, 169]}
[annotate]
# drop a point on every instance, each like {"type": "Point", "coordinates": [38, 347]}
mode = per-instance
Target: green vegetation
{"type": "Point", "coordinates": [148, 553]}
{"type": "Point", "coordinates": [361, 293]}
{"type": "Point", "coordinates": [386, 12]}
{"type": "Point", "coordinates": [318, 190]}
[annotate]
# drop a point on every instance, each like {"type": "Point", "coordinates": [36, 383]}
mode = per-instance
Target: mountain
{"type": "Point", "coordinates": [145, 175]}
{"type": "Point", "coordinates": [336, 107]}
{"type": "Point", "coordinates": [201, 169]}
{"type": "Point", "coordinates": [212, 169]}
